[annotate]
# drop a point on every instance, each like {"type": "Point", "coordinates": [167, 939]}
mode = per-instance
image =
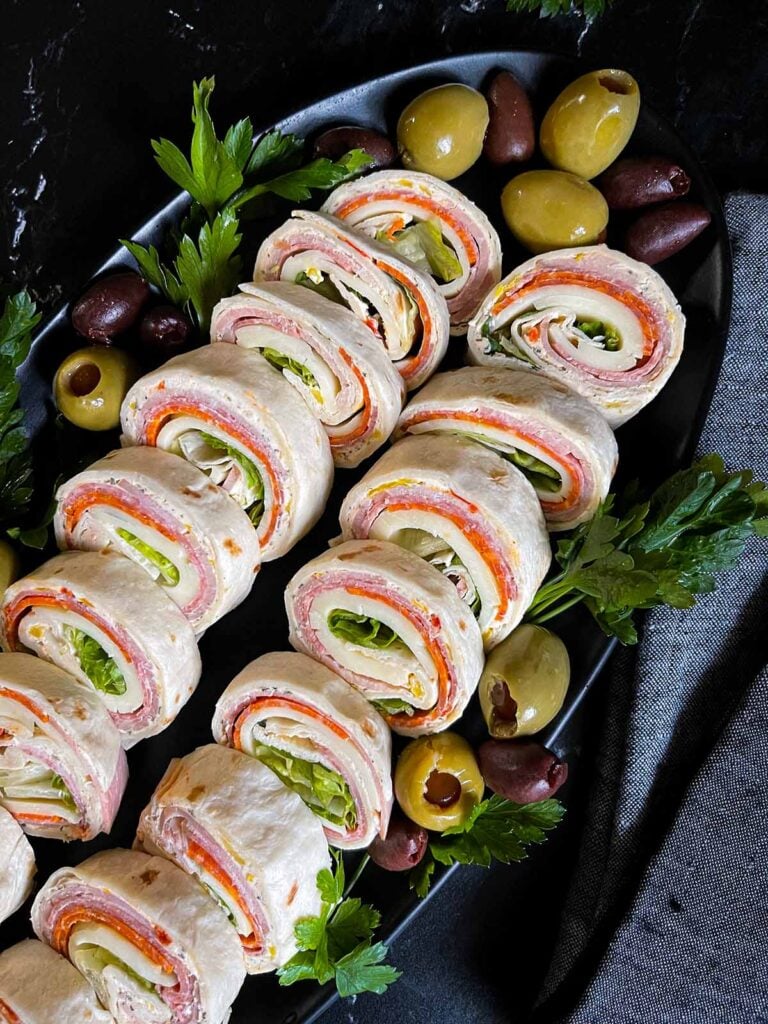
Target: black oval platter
{"type": "Point", "coordinates": [657, 442]}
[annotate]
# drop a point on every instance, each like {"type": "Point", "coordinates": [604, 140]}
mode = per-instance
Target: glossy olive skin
{"type": "Point", "coordinates": [524, 772]}
{"type": "Point", "coordinates": [511, 135]}
{"type": "Point", "coordinates": [335, 142]}
{"type": "Point", "coordinates": [663, 231]}
{"type": "Point", "coordinates": [524, 682]}
{"type": "Point", "coordinates": [403, 846]}
{"type": "Point", "coordinates": [441, 132]}
{"type": "Point", "coordinates": [590, 122]}
{"type": "Point", "coordinates": [547, 210]}
{"type": "Point", "coordinates": [641, 181]}
{"type": "Point", "coordinates": [90, 385]}
{"type": "Point", "coordinates": [165, 329]}
{"type": "Point", "coordinates": [445, 756]}
{"type": "Point", "coordinates": [9, 565]}
{"type": "Point", "coordinates": [110, 306]}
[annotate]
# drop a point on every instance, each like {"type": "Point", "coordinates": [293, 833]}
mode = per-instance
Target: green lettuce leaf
{"type": "Point", "coordinates": [392, 706]}
{"type": "Point", "coordinates": [96, 663]}
{"type": "Point", "coordinates": [280, 361]}
{"type": "Point", "coordinates": [322, 789]}
{"type": "Point", "coordinates": [167, 569]}
{"type": "Point", "coordinates": [361, 630]}
{"type": "Point", "coordinates": [101, 958]}
{"type": "Point", "coordinates": [542, 476]}
{"type": "Point", "coordinates": [610, 337]}
{"type": "Point", "coordinates": [251, 474]}
{"type": "Point", "coordinates": [423, 244]}
{"type": "Point", "coordinates": [325, 287]}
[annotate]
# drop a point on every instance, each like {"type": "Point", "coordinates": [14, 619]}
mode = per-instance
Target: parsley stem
{"type": "Point", "coordinates": [548, 594]}
{"type": "Point", "coordinates": [544, 615]}
{"type": "Point", "coordinates": [364, 861]}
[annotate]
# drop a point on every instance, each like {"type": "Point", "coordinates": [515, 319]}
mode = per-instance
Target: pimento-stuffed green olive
{"type": "Point", "coordinates": [110, 306]}
{"type": "Point", "coordinates": [524, 682]}
{"type": "Point", "coordinates": [90, 385]}
{"type": "Point", "coordinates": [553, 210]}
{"type": "Point", "coordinates": [590, 122]}
{"type": "Point", "coordinates": [403, 846]}
{"type": "Point", "coordinates": [441, 132]}
{"type": "Point", "coordinates": [438, 781]}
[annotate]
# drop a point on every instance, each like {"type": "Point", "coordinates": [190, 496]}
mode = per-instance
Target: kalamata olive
{"type": "Point", "coordinates": [110, 306]}
{"type": "Point", "coordinates": [437, 781]}
{"type": "Point", "coordinates": [165, 329]}
{"type": "Point", "coordinates": [90, 385]}
{"type": "Point", "coordinates": [553, 210]}
{"type": "Point", "coordinates": [663, 231]}
{"type": "Point", "coordinates": [9, 565]}
{"type": "Point", "coordinates": [511, 135]}
{"type": "Point", "coordinates": [441, 132]}
{"type": "Point", "coordinates": [403, 847]}
{"type": "Point", "coordinates": [335, 142]}
{"type": "Point", "coordinates": [590, 122]}
{"type": "Point", "coordinates": [524, 682]}
{"type": "Point", "coordinates": [522, 771]}
{"type": "Point", "coordinates": [643, 180]}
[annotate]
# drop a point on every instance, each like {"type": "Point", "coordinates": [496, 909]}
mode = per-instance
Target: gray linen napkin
{"type": "Point", "coordinates": [667, 916]}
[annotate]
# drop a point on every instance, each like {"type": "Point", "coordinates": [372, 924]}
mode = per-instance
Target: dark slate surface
{"type": "Point", "coordinates": [87, 83]}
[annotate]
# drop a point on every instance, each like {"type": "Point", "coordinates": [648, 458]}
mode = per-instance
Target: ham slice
{"type": "Point", "coordinates": [399, 303]}
{"type": "Point", "coordinates": [17, 866]}
{"type": "Point", "coordinates": [558, 440]}
{"type": "Point", "coordinates": [164, 514]}
{"type": "Point", "coordinates": [468, 512]}
{"type": "Point", "coordinates": [62, 768]}
{"type": "Point", "coordinates": [230, 823]}
{"type": "Point", "coordinates": [386, 204]}
{"type": "Point", "coordinates": [392, 625]}
{"type": "Point", "coordinates": [334, 362]}
{"type": "Point", "coordinates": [591, 318]}
{"type": "Point", "coordinates": [101, 618]}
{"type": "Point", "coordinates": [239, 420]}
{"type": "Point", "coordinates": [303, 718]}
{"type": "Point", "coordinates": [38, 986]}
{"type": "Point", "coordinates": [152, 943]}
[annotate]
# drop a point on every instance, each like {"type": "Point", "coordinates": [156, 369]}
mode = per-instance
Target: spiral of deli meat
{"type": "Point", "coordinates": [468, 512]}
{"type": "Point", "coordinates": [431, 222]}
{"type": "Point", "coordinates": [555, 437]}
{"type": "Point", "coordinates": [322, 737]}
{"type": "Point", "coordinates": [164, 514]}
{"type": "Point", "coordinates": [101, 618]}
{"type": "Point", "coordinates": [228, 821]}
{"type": "Point", "coordinates": [238, 420]}
{"type": "Point", "coordinates": [591, 318]}
{"type": "Point", "coordinates": [335, 363]}
{"type": "Point", "coordinates": [62, 767]}
{"type": "Point", "coordinates": [392, 625]}
{"type": "Point", "coordinates": [152, 943]}
{"type": "Point", "coordinates": [399, 303]}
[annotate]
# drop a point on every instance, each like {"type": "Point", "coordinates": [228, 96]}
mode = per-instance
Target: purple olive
{"type": "Point", "coordinates": [110, 306]}
{"type": "Point", "coordinates": [165, 329]}
{"type": "Point", "coordinates": [334, 143]}
{"type": "Point", "coordinates": [511, 135]}
{"type": "Point", "coordinates": [403, 847]}
{"type": "Point", "coordinates": [523, 771]}
{"type": "Point", "coordinates": [641, 181]}
{"type": "Point", "coordinates": [663, 231]}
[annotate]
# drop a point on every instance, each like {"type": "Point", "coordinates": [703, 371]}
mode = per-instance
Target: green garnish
{"type": "Point", "coordinates": [497, 829]}
{"type": "Point", "coordinates": [362, 630]}
{"type": "Point", "coordinates": [64, 795]}
{"type": "Point", "coordinates": [101, 958]}
{"type": "Point", "coordinates": [96, 663]}
{"type": "Point", "coordinates": [324, 287]}
{"type": "Point", "coordinates": [165, 566]}
{"type": "Point", "coordinates": [609, 336]}
{"type": "Point", "coordinates": [321, 788]}
{"type": "Point", "coordinates": [642, 554]}
{"type": "Point", "coordinates": [393, 706]}
{"type": "Point", "coordinates": [542, 476]}
{"type": "Point", "coordinates": [548, 8]}
{"type": "Point", "coordinates": [283, 362]}
{"type": "Point", "coordinates": [424, 245]}
{"type": "Point", "coordinates": [337, 944]}
{"type": "Point", "coordinates": [251, 474]}
{"type": "Point", "coordinates": [501, 342]}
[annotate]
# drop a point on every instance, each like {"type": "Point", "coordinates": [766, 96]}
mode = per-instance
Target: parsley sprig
{"type": "Point", "coordinates": [18, 321]}
{"type": "Point", "coordinates": [549, 8]}
{"type": "Point", "coordinates": [637, 554]}
{"type": "Point", "coordinates": [337, 945]}
{"type": "Point", "coordinates": [224, 177]}
{"type": "Point", "coordinates": [497, 829]}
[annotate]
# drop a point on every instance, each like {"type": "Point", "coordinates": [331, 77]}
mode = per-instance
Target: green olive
{"type": "Point", "coordinates": [9, 565]}
{"type": "Point", "coordinates": [90, 385]}
{"type": "Point", "coordinates": [524, 682]}
{"type": "Point", "coordinates": [441, 132]}
{"type": "Point", "coordinates": [591, 122]}
{"type": "Point", "coordinates": [553, 210]}
{"type": "Point", "coordinates": [438, 781]}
